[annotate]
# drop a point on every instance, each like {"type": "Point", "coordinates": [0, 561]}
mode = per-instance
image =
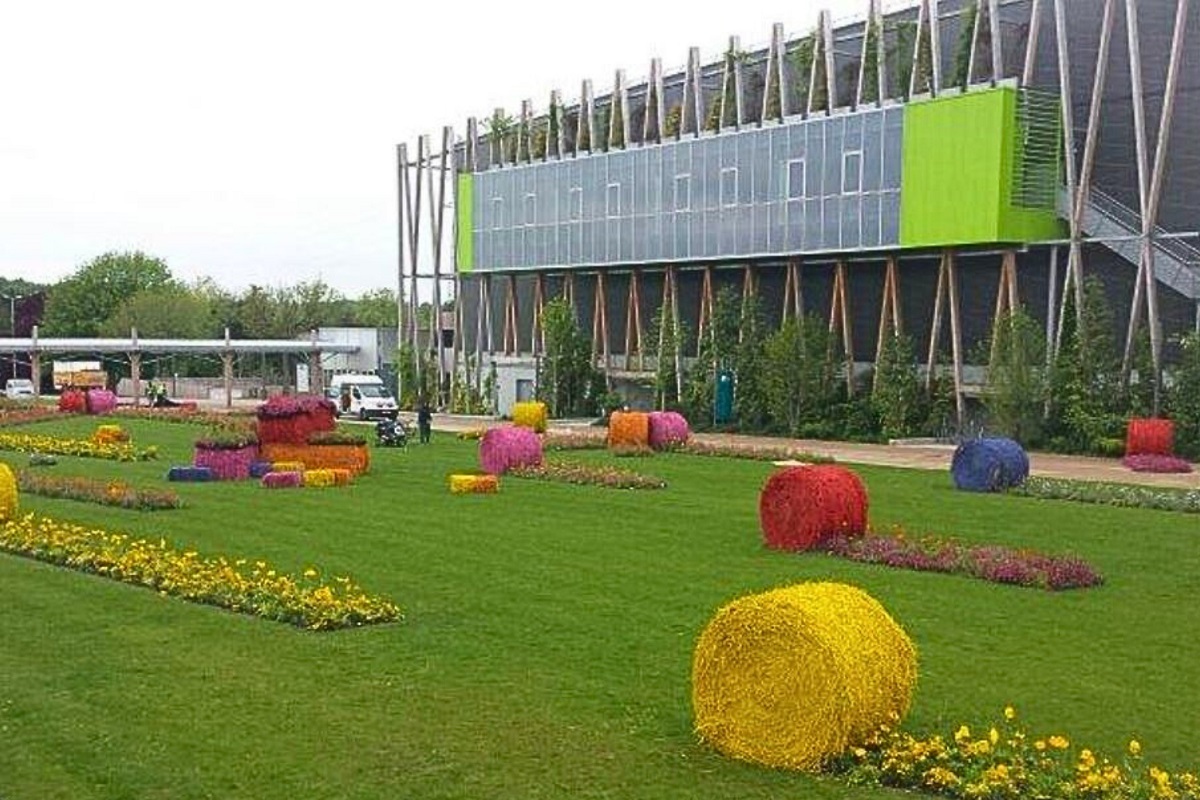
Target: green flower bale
{"type": "Point", "coordinates": [795, 676]}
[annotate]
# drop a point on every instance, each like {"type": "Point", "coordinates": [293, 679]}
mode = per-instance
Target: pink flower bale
{"type": "Point", "coordinates": [100, 401]}
{"type": "Point", "coordinates": [227, 464]}
{"type": "Point", "coordinates": [501, 449]}
{"type": "Point", "coordinates": [283, 480]}
{"type": "Point", "coordinates": [667, 429]}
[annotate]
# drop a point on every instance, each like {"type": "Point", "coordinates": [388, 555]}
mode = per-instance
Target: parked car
{"type": "Point", "coordinates": [19, 389]}
{"type": "Point", "coordinates": [363, 396]}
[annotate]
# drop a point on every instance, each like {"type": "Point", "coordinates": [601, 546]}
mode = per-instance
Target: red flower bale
{"type": "Point", "coordinates": [801, 506]}
{"type": "Point", "coordinates": [72, 401]}
{"type": "Point", "coordinates": [1153, 437]}
{"type": "Point", "coordinates": [291, 420]}
{"type": "Point", "coordinates": [501, 449]}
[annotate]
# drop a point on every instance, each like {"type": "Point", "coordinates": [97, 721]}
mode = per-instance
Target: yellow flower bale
{"type": "Point", "coordinates": [287, 466]}
{"type": "Point", "coordinates": [9, 499]}
{"type": "Point", "coordinates": [474, 484]}
{"type": "Point", "coordinates": [530, 415]}
{"type": "Point", "coordinates": [794, 676]}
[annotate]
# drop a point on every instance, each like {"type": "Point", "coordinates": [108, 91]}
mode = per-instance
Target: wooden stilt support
{"type": "Point", "coordinates": [793, 295]}
{"type": "Point", "coordinates": [537, 333]}
{"type": "Point", "coordinates": [890, 323]}
{"type": "Point", "coordinates": [706, 308]}
{"type": "Point", "coordinates": [675, 322]}
{"type": "Point", "coordinates": [1006, 298]}
{"type": "Point", "coordinates": [955, 336]}
{"type": "Point", "coordinates": [600, 325]}
{"type": "Point", "coordinates": [633, 323]}
{"type": "Point", "coordinates": [748, 292]}
{"type": "Point", "coordinates": [840, 323]}
{"type": "Point", "coordinates": [512, 343]}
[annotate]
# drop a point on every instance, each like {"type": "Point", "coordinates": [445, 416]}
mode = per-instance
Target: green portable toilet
{"type": "Point", "coordinates": [723, 397]}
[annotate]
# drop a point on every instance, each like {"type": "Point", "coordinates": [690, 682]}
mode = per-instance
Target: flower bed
{"type": "Point", "coordinates": [89, 490]}
{"type": "Point", "coordinates": [186, 416]}
{"type": "Point", "coordinates": [563, 440]}
{"type": "Point", "coordinates": [793, 676]}
{"type": "Point", "coordinates": [589, 475]}
{"type": "Point", "coordinates": [293, 419]}
{"type": "Point", "coordinates": [471, 434]}
{"type": "Point", "coordinates": [1186, 501]}
{"type": "Point", "coordinates": [629, 428]}
{"type": "Point", "coordinates": [227, 464]}
{"type": "Point", "coordinates": [1148, 462]}
{"type": "Point", "coordinates": [474, 484]}
{"type": "Point", "coordinates": [25, 414]}
{"type": "Point", "coordinates": [801, 506]}
{"type": "Point", "coordinates": [754, 452]}
{"type": "Point", "coordinates": [110, 434]}
{"type": "Point", "coordinates": [86, 448]}
{"type": "Point", "coordinates": [1152, 436]}
{"type": "Point", "coordinates": [238, 585]}
{"type": "Point", "coordinates": [1005, 761]}
{"type": "Point", "coordinates": [9, 498]}
{"type": "Point", "coordinates": [667, 430]}
{"type": "Point", "coordinates": [501, 449]}
{"type": "Point", "coordinates": [992, 563]}
{"type": "Point", "coordinates": [354, 457]}
{"type": "Point", "coordinates": [530, 415]}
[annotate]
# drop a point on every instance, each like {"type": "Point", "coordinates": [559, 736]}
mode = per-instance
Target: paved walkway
{"type": "Point", "coordinates": [912, 456]}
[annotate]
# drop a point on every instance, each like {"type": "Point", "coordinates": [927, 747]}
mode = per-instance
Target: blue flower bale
{"type": "Point", "coordinates": [259, 468]}
{"type": "Point", "coordinates": [189, 474]}
{"type": "Point", "coordinates": [989, 465]}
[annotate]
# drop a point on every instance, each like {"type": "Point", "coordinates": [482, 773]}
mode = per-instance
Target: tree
{"type": "Point", "coordinates": [80, 304]}
{"type": "Point", "coordinates": [896, 398]}
{"type": "Point", "coordinates": [376, 309]}
{"type": "Point", "coordinates": [171, 311]}
{"type": "Point", "coordinates": [1184, 397]}
{"type": "Point", "coordinates": [1016, 390]}
{"type": "Point", "coordinates": [796, 381]}
{"type": "Point", "coordinates": [569, 382]}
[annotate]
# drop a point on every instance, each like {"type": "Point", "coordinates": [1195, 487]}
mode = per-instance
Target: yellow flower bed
{"type": "Point", "coordinates": [87, 448]}
{"type": "Point", "coordinates": [319, 478]}
{"type": "Point", "coordinates": [287, 466]}
{"type": "Point", "coordinates": [474, 484]}
{"type": "Point", "coordinates": [794, 676]}
{"type": "Point", "coordinates": [9, 500]}
{"type": "Point", "coordinates": [530, 415]}
{"type": "Point", "coordinates": [239, 585]}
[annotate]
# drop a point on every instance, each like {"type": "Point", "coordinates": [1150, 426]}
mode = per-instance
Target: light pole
{"type": "Point", "coordinates": [12, 324]}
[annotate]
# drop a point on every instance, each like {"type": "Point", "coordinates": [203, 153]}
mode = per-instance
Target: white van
{"type": "Point", "coordinates": [19, 389]}
{"type": "Point", "coordinates": [363, 396]}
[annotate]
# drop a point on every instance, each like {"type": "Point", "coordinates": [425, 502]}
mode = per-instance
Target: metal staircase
{"type": "Point", "coordinates": [1118, 227]}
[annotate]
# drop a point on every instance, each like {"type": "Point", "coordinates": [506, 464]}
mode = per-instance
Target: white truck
{"type": "Point", "coordinates": [361, 395]}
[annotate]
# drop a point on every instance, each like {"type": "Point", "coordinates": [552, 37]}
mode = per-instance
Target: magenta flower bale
{"type": "Point", "coordinates": [283, 480]}
{"type": "Point", "coordinates": [501, 449]}
{"type": "Point", "coordinates": [227, 464]}
{"type": "Point", "coordinates": [668, 429]}
{"type": "Point", "coordinates": [100, 401]}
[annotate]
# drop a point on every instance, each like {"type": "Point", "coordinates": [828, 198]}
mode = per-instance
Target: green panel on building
{"type": "Point", "coordinates": [970, 175]}
{"type": "Point", "coordinates": [464, 204]}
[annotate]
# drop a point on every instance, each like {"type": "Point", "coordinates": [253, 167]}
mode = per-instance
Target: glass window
{"type": "Point", "coordinates": [612, 202]}
{"type": "Point", "coordinates": [852, 172]}
{"type": "Point", "coordinates": [795, 179]}
{"type": "Point", "coordinates": [729, 187]}
{"type": "Point", "coordinates": [683, 192]}
{"type": "Point", "coordinates": [575, 204]}
{"type": "Point", "coordinates": [497, 213]}
{"type": "Point", "coordinates": [530, 209]}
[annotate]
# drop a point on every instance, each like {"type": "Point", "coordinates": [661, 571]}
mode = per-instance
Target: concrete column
{"type": "Point", "coordinates": [227, 362]}
{"type": "Point", "coordinates": [135, 373]}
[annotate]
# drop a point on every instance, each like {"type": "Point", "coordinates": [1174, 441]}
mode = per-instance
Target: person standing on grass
{"type": "Point", "coordinates": [424, 420]}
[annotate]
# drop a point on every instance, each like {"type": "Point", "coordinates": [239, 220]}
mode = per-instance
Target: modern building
{"type": "Point", "coordinates": [923, 170]}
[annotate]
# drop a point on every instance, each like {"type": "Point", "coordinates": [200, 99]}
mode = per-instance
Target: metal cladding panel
{"type": "Point", "coordinates": [822, 184]}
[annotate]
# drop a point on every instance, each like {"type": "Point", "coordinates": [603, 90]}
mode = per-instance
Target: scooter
{"type": "Point", "coordinates": [391, 433]}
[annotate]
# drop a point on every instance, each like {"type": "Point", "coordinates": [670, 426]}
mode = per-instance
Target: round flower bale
{"type": "Point", "coordinates": [989, 465]}
{"type": "Point", "coordinates": [100, 401]}
{"type": "Point", "coordinates": [530, 415]}
{"type": "Point", "coordinates": [795, 676]}
{"type": "Point", "coordinates": [1154, 437]}
{"type": "Point", "coordinates": [501, 449]}
{"type": "Point", "coordinates": [666, 429]}
{"type": "Point", "coordinates": [9, 496]}
{"type": "Point", "coordinates": [72, 401]}
{"type": "Point", "coordinates": [800, 506]}
{"type": "Point", "coordinates": [629, 429]}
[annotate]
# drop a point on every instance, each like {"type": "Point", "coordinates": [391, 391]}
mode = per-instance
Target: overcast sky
{"type": "Point", "coordinates": [254, 142]}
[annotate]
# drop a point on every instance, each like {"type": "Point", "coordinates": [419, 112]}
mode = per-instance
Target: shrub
{"type": "Point", "coordinates": [9, 498]}
{"type": "Point", "coordinates": [474, 484]}
{"type": "Point", "coordinates": [589, 475]}
{"type": "Point", "coordinates": [227, 439]}
{"type": "Point", "coordinates": [989, 465]}
{"type": "Point", "coordinates": [335, 437]}
{"type": "Point", "coordinates": [800, 506]}
{"type": "Point", "coordinates": [1123, 495]}
{"type": "Point", "coordinates": [629, 428]}
{"type": "Point", "coordinates": [530, 415]}
{"type": "Point", "coordinates": [110, 434]}
{"type": "Point", "coordinates": [794, 676]}
{"type": "Point", "coordinates": [501, 449]}
{"type": "Point", "coordinates": [1150, 437]}
{"type": "Point", "coordinates": [667, 429]}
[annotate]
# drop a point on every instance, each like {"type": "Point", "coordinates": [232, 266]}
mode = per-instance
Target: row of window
{"type": "Point", "coordinates": [852, 181]}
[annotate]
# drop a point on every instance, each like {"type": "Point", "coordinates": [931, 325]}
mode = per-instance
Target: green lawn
{"type": "Point", "coordinates": [548, 636]}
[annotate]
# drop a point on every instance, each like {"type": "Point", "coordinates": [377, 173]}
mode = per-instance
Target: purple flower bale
{"type": "Point", "coordinates": [501, 449]}
{"type": "Point", "coordinates": [667, 429]}
{"type": "Point", "coordinates": [227, 464]}
{"type": "Point", "coordinates": [100, 401]}
{"type": "Point", "coordinates": [259, 469]}
{"type": "Point", "coordinates": [190, 474]}
{"type": "Point", "coordinates": [989, 465]}
{"type": "Point", "coordinates": [283, 480]}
